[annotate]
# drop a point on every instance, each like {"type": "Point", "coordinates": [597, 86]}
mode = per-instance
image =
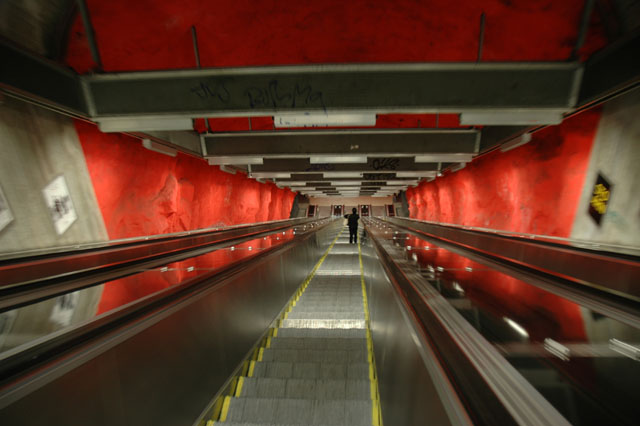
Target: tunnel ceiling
{"type": "Point", "coordinates": [249, 78]}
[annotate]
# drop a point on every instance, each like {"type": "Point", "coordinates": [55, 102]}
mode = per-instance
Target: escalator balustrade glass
{"type": "Point", "coordinates": [30, 323]}
{"type": "Point", "coordinates": [583, 362]}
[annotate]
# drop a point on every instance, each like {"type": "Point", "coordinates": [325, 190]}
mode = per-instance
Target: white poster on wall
{"type": "Point", "coordinates": [5, 212]}
{"type": "Point", "coordinates": [58, 200]}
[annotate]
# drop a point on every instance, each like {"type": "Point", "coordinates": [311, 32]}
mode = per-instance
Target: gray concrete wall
{"type": "Point", "coordinates": [36, 145]}
{"type": "Point", "coordinates": [616, 155]}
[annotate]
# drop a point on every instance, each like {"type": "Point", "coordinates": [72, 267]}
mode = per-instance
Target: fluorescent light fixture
{"type": "Point", "coordinates": [322, 119]}
{"type": "Point", "coordinates": [156, 147]}
{"type": "Point", "coordinates": [345, 182]}
{"type": "Point", "coordinates": [517, 327]}
{"type": "Point", "coordinates": [397, 182]}
{"type": "Point", "coordinates": [514, 143]}
{"type": "Point", "coordinates": [217, 161]}
{"type": "Point", "coordinates": [337, 159]}
{"type": "Point", "coordinates": [273, 175]}
{"type": "Point", "coordinates": [342, 174]}
{"type": "Point", "coordinates": [284, 182]}
{"type": "Point", "coordinates": [444, 158]}
{"type": "Point", "coordinates": [625, 349]}
{"type": "Point", "coordinates": [557, 349]}
{"type": "Point", "coordinates": [416, 174]}
{"type": "Point", "coordinates": [458, 166]}
{"type": "Point", "coordinates": [227, 169]}
{"type": "Point", "coordinates": [511, 117]}
{"type": "Point", "coordinates": [143, 124]}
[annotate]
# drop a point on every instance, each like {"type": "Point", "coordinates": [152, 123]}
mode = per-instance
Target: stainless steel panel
{"type": "Point", "coordinates": [174, 361]}
{"type": "Point", "coordinates": [413, 388]}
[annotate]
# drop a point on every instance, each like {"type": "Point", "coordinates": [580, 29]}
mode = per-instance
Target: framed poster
{"type": "Point", "coordinates": [58, 200]}
{"type": "Point", "coordinates": [5, 212]}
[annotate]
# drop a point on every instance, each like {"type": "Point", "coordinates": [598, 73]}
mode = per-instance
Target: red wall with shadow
{"type": "Point", "coordinates": [532, 189]}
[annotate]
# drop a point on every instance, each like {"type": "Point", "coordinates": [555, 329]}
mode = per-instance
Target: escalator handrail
{"type": "Point", "coordinates": [494, 392]}
{"type": "Point", "coordinates": [613, 273]}
{"type": "Point", "coordinates": [569, 243]}
{"type": "Point", "coordinates": [33, 364]}
{"type": "Point", "coordinates": [30, 279]}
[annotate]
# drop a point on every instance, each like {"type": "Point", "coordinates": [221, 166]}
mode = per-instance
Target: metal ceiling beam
{"type": "Point", "coordinates": [612, 70]}
{"type": "Point", "coordinates": [379, 88]}
{"type": "Point", "coordinates": [28, 76]}
{"type": "Point", "coordinates": [371, 143]}
{"type": "Point", "coordinates": [382, 88]}
{"type": "Point", "coordinates": [373, 166]}
{"type": "Point", "coordinates": [318, 180]}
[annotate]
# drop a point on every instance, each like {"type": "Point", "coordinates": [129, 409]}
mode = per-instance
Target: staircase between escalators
{"type": "Point", "coordinates": [316, 365]}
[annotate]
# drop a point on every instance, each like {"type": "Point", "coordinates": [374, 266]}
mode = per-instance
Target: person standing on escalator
{"type": "Point", "coordinates": [352, 221]}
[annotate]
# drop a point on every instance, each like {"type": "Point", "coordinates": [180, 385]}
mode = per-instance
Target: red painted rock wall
{"type": "Point", "coordinates": [532, 189]}
{"type": "Point", "coordinates": [156, 34]}
{"type": "Point", "coordinates": [141, 192]}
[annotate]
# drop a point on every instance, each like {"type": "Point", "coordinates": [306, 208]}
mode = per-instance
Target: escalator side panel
{"type": "Point", "coordinates": [413, 388]}
{"type": "Point", "coordinates": [166, 370]}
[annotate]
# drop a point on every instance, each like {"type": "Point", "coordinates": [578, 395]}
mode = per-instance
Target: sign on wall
{"type": "Point", "coordinates": [58, 200]}
{"type": "Point", "coordinates": [599, 199]}
{"type": "Point", "coordinates": [5, 212]}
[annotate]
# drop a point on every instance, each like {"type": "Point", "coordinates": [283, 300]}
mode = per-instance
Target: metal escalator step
{"type": "Point", "coordinates": [255, 387]}
{"type": "Point", "coordinates": [299, 411]}
{"type": "Point", "coordinates": [312, 370]}
{"type": "Point", "coordinates": [315, 355]}
{"type": "Point", "coordinates": [271, 424]}
{"type": "Point", "coordinates": [323, 323]}
{"type": "Point", "coordinates": [300, 314]}
{"type": "Point", "coordinates": [319, 343]}
{"type": "Point", "coordinates": [319, 333]}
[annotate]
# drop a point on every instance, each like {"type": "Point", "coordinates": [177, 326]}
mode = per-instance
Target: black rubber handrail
{"type": "Point", "coordinates": [31, 279]}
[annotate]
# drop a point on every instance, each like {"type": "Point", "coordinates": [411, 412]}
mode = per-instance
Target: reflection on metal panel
{"type": "Point", "coordinates": [164, 369]}
{"type": "Point", "coordinates": [413, 387]}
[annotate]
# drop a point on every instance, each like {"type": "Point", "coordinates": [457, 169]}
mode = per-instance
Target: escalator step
{"type": "Point", "coordinates": [300, 411]}
{"type": "Point", "coordinates": [253, 387]}
{"type": "Point", "coordinates": [320, 333]}
{"type": "Point", "coordinates": [311, 355]}
{"type": "Point", "coordinates": [319, 343]}
{"type": "Point", "coordinates": [301, 314]}
{"type": "Point", "coordinates": [312, 370]}
{"type": "Point", "coordinates": [324, 323]}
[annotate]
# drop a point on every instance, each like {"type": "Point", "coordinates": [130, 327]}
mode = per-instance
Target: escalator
{"type": "Point", "coordinates": [289, 324]}
{"type": "Point", "coordinates": [316, 366]}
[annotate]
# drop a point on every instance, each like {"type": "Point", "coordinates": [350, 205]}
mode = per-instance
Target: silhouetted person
{"type": "Point", "coordinates": [353, 226]}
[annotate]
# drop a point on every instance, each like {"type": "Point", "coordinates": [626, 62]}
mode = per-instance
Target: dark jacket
{"type": "Point", "coordinates": [353, 219]}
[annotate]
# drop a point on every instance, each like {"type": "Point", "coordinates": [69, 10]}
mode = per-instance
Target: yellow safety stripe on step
{"type": "Point", "coordinates": [376, 415]}
{"type": "Point", "coordinates": [239, 386]}
{"type": "Point", "coordinates": [225, 408]}
{"type": "Point", "coordinates": [258, 353]}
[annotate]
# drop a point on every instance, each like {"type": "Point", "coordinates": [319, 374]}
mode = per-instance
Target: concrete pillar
{"type": "Point", "coordinates": [36, 146]}
{"type": "Point", "coordinates": [616, 156]}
